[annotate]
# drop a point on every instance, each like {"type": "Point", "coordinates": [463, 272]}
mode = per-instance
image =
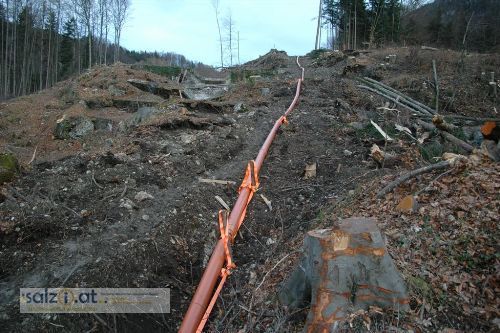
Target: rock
{"type": "Point", "coordinates": [99, 102]}
{"type": "Point", "coordinates": [115, 91]}
{"type": "Point", "coordinates": [347, 152]}
{"type": "Point", "coordinates": [145, 217]}
{"type": "Point", "coordinates": [63, 127]}
{"type": "Point", "coordinates": [73, 127]}
{"type": "Point", "coordinates": [240, 107]}
{"type": "Point", "coordinates": [127, 203]}
{"type": "Point", "coordinates": [270, 241]}
{"type": "Point", "coordinates": [143, 195]}
{"type": "Point", "coordinates": [103, 124]}
{"type": "Point", "coordinates": [83, 127]}
{"type": "Point", "coordinates": [9, 167]}
{"type": "Point", "coordinates": [142, 114]}
{"type": "Point", "coordinates": [265, 91]}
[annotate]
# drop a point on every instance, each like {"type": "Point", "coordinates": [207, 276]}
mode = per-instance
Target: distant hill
{"type": "Point", "coordinates": [443, 23]}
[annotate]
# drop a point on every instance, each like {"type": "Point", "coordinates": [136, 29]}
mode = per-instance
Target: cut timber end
{"type": "Point", "coordinates": [344, 269]}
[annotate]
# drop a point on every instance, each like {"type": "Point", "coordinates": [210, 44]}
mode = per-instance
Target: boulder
{"type": "Point", "coordinates": [83, 127]}
{"type": "Point", "coordinates": [142, 114]}
{"type": "Point", "coordinates": [73, 128]}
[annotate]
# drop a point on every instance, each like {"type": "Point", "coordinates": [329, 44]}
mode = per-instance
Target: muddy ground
{"type": "Point", "coordinates": [73, 216]}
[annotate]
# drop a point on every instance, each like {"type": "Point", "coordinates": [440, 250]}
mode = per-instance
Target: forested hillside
{"type": "Point", "coordinates": [353, 24]}
{"type": "Point", "coordinates": [472, 24]}
{"type": "Point", "coordinates": [45, 41]}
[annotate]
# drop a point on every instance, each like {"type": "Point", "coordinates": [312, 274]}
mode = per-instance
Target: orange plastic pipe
{"type": "Point", "coordinates": [205, 289]}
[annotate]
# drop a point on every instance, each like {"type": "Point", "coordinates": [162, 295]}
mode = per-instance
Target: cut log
{"type": "Point", "coordinates": [439, 122]}
{"type": "Point", "coordinates": [344, 270]}
{"type": "Point", "coordinates": [450, 137]}
{"type": "Point", "coordinates": [383, 158]}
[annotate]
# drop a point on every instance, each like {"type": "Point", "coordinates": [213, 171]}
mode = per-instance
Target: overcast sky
{"type": "Point", "coordinates": [189, 27]}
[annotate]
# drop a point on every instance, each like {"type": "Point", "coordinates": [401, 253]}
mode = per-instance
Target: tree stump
{"type": "Point", "coordinates": [342, 270]}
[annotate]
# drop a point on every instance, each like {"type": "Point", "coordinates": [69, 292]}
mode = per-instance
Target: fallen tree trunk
{"type": "Point", "coordinates": [408, 100]}
{"type": "Point", "coordinates": [448, 136]}
{"type": "Point", "coordinates": [429, 48]}
{"type": "Point", "coordinates": [392, 185]}
{"type": "Point", "coordinates": [412, 110]}
{"type": "Point", "coordinates": [342, 270]}
{"type": "Point", "coordinates": [452, 116]}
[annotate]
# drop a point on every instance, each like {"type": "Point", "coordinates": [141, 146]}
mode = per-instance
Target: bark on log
{"type": "Point", "coordinates": [399, 95]}
{"type": "Point", "coordinates": [342, 270]}
{"type": "Point", "coordinates": [391, 99]}
{"type": "Point", "coordinates": [450, 137]}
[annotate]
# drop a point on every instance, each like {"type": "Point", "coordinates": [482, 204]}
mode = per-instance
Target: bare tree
{"type": "Point", "coordinates": [215, 4]}
{"type": "Point", "coordinates": [86, 8]}
{"type": "Point", "coordinates": [119, 11]}
{"type": "Point", "coordinates": [229, 35]}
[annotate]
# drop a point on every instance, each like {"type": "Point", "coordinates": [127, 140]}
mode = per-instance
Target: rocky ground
{"type": "Point", "coordinates": [113, 196]}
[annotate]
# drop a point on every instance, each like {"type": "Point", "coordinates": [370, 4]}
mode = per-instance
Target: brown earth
{"type": "Point", "coordinates": [71, 217]}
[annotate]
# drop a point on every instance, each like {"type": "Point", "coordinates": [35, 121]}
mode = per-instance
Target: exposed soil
{"type": "Point", "coordinates": [71, 218]}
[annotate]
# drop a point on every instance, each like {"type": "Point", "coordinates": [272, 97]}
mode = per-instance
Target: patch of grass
{"type": "Point", "coordinates": [431, 150]}
{"type": "Point", "coordinates": [167, 71]}
{"type": "Point", "coordinates": [368, 132]}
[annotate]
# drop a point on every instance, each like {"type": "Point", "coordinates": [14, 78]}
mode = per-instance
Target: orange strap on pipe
{"type": "Point", "coordinates": [204, 298]}
{"type": "Point", "coordinates": [225, 272]}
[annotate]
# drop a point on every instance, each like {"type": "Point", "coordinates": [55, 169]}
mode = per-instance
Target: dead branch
{"type": "Point", "coordinates": [436, 84]}
{"type": "Point", "coordinates": [223, 203]}
{"type": "Point", "coordinates": [381, 131]}
{"type": "Point", "coordinates": [216, 181]}
{"type": "Point", "coordinates": [34, 156]}
{"type": "Point", "coordinates": [95, 181]}
{"type": "Point", "coordinates": [392, 185]}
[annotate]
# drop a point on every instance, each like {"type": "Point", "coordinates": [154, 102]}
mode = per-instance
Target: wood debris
{"type": "Point", "coordinates": [310, 171]}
